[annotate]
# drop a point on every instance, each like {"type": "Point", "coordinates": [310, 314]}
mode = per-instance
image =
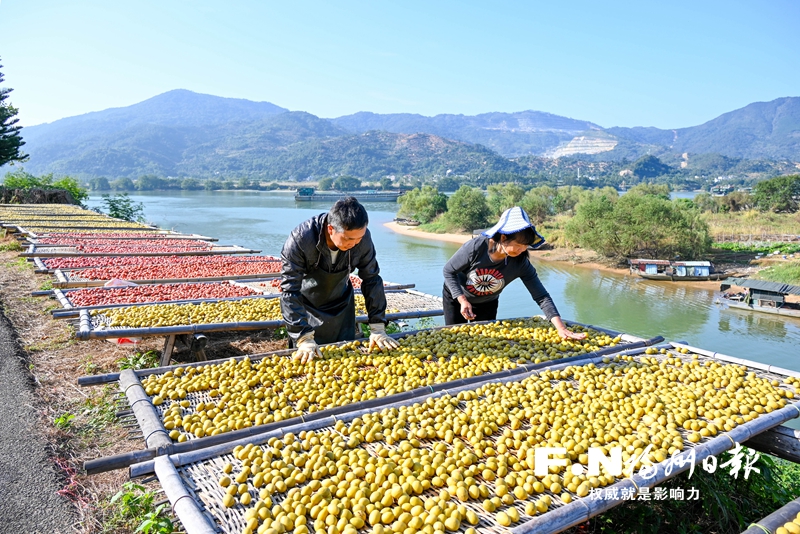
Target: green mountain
{"type": "Point", "coordinates": [762, 130]}
{"type": "Point", "coordinates": [290, 145]}
{"type": "Point", "coordinates": [181, 133]}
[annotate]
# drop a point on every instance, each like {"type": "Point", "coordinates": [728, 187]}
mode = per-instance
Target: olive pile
{"type": "Point", "coordinates": [230, 311]}
{"type": "Point", "coordinates": [468, 460]}
{"type": "Point", "coordinates": [792, 527]}
{"type": "Point", "coordinates": [238, 395]}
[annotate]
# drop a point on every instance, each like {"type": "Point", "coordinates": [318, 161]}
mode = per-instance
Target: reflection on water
{"type": "Point", "coordinates": [263, 220]}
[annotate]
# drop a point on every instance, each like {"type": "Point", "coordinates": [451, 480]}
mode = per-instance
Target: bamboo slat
{"type": "Point", "coordinates": [69, 279]}
{"type": "Point", "coordinates": [776, 519]}
{"type": "Point", "coordinates": [58, 251]}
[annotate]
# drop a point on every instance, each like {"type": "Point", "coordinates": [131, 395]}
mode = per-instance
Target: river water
{"type": "Point", "coordinates": [263, 220]}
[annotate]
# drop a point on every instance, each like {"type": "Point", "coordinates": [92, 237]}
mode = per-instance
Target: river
{"type": "Point", "coordinates": [263, 220]}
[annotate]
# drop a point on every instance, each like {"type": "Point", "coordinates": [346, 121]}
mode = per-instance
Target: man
{"type": "Point", "coordinates": [317, 298]}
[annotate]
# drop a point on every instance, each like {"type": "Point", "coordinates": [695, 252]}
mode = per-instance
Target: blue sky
{"type": "Point", "coordinates": [665, 64]}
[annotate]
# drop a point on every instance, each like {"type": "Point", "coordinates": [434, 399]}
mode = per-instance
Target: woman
{"type": "Point", "coordinates": [476, 275]}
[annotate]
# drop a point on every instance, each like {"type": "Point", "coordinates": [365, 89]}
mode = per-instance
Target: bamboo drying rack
{"type": "Point", "coordinates": [70, 278]}
{"type": "Point", "coordinates": [412, 304]}
{"type": "Point", "coordinates": [156, 437]}
{"type": "Point", "coordinates": [190, 479]}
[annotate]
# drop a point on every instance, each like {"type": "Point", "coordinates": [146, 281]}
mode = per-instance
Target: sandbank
{"type": "Point", "coordinates": [414, 232]}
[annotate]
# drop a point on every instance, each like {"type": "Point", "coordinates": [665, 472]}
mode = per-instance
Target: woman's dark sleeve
{"type": "Point", "coordinates": [458, 263]}
{"type": "Point", "coordinates": [538, 292]}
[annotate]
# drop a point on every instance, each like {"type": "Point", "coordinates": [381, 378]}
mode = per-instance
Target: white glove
{"type": "Point", "coordinates": [378, 338]}
{"type": "Point", "coordinates": [307, 348]}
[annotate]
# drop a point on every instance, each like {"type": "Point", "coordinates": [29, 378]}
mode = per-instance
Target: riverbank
{"type": "Point", "coordinates": [414, 231]}
{"type": "Point", "coordinates": [574, 257]}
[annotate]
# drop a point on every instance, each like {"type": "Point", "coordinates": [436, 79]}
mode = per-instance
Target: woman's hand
{"type": "Point", "coordinates": [466, 308]}
{"type": "Point", "coordinates": [565, 332]}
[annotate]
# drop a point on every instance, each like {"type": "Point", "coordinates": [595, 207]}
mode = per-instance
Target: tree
{"type": "Point", "coordinates": [150, 182]}
{"type": "Point", "coordinates": [502, 197]}
{"type": "Point", "coordinates": [467, 209]}
{"type": "Point", "coordinates": [123, 184]}
{"type": "Point", "coordinates": [385, 183]}
{"type": "Point", "coordinates": [639, 225]}
{"type": "Point", "coordinates": [99, 184]}
{"type": "Point", "coordinates": [122, 207]}
{"type": "Point", "coordinates": [448, 183]}
{"type": "Point", "coordinates": [191, 184]}
{"type": "Point", "coordinates": [778, 194]}
{"type": "Point", "coordinates": [22, 180]}
{"type": "Point", "coordinates": [325, 184]}
{"type": "Point", "coordinates": [10, 139]}
{"type": "Point", "coordinates": [650, 167]}
{"type": "Point", "coordinates": [346, 183]}
{"type": "Point", "coordinates": [71, 184]}
{"type": "Point", "coordinates": [423, 204]}
{"type": "Point", "coordinates": [656, 190]}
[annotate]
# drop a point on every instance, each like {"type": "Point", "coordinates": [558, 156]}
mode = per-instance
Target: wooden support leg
{"type": "Point", "coordinates": [166, 354]}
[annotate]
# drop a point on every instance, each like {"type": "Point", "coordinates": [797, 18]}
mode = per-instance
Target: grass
{"type": "Point", "coordinates": [139, 360]}
{"type": "Point", "coordinates": [21, 264]}
{"type": "Point", "coordinates": [751, 225]}
{"type": "Point", "coordinates": [11, 246]}
{"type": "Point", "coordinates": [134, 505]}
{"type": "Point", "coordinates": [725, 505]}
{"type": "Point", "coordinates": [788, 273]}
{"type": "Point", "coordinates": [439, 226]}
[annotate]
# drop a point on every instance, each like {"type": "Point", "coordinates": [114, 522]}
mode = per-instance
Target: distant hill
{"type": "Point", "coordinates": [181, 133]}
{"type": "Point", "coordinates": [291, 144]}
{"type": "Point", "coordinates": [378, 154]}
{"type": "Point", "coordinates": [178, 110]}
{"type": "Point", "coordinates": [762, 130]}
{"type": "Point", "coordinates": [509, 134]}
{"type": "Point", "coordinates": [197, 151]}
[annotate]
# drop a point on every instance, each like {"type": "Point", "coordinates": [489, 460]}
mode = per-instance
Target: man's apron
{"type": "Point", "coordinates": [330, 304]}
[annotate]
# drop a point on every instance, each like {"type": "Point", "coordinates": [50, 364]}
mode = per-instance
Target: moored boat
{"type": "Point", "coordinates": [761, 296]}
{"type": "Point", "coordinates": [676, 271]}
{"type": "Point", "coordinates": [308, 194]}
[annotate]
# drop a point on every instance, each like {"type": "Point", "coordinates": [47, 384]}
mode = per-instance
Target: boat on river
{"type": "Point", "coordinates": [761, 296]}
{"type": "Point", "coordinates": [308, 194]}
{"type": "Point", "coordinates": [676, 271]}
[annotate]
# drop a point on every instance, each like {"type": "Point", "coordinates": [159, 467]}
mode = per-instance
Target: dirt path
{"type": "Point", "coordinates": [27, 476]}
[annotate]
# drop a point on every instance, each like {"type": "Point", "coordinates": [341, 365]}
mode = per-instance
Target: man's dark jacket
{"type": "Point", "coordinates": [317, 294]}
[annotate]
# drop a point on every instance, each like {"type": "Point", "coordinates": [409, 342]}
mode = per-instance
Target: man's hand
{"type": "Point", "coordinates": [378, 338]}
{"type": "Point", "coordinates": [307, 348]}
